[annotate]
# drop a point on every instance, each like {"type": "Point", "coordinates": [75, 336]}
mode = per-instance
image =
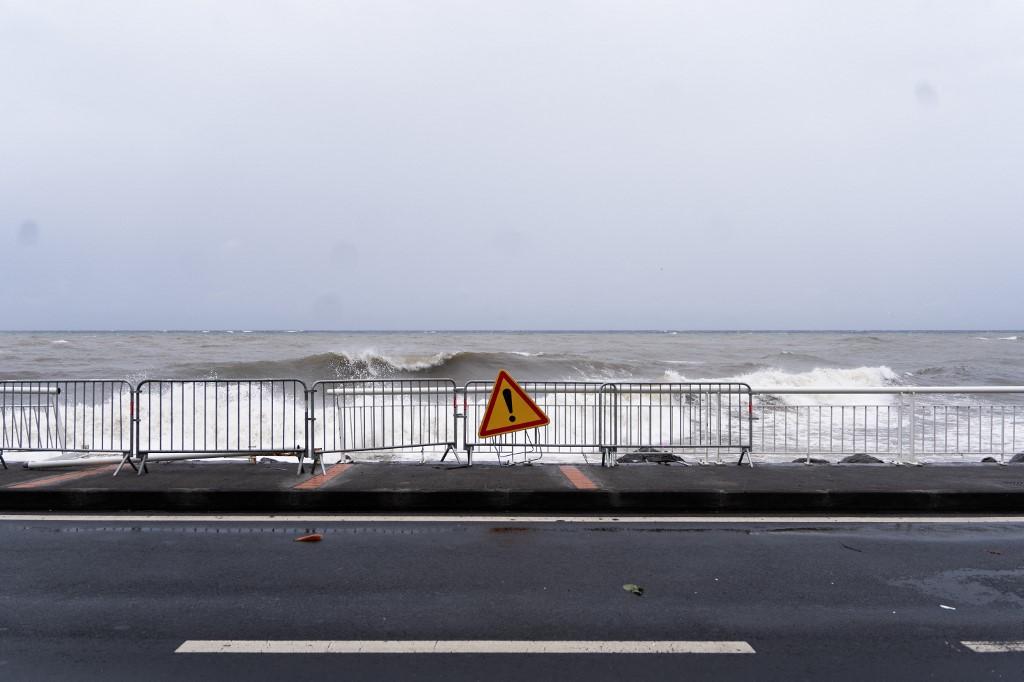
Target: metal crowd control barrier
{"type": "Point", "coordinates": [399, 414]}
{"type": "Point", "coordinates": [900, 422]}
{"type": "Point", "coordinates": [709, 417]}
{"type": "Point", "coordinates": [573, 407]}
{"type": "Point", "coordinates": [188, 419]}
{"type": "Point", "coordinates": [220, 418]}
{"type": "Point", "coordinates": [65, 416]}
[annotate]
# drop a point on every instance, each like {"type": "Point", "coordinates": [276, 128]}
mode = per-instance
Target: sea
{"type": "Point", "coordinates": [761, 359]}
{"type": "Point", "coordinates": [946, 426]}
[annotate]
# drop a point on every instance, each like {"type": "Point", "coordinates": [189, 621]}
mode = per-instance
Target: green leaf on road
{"type": "Point", "coordinates": [635, 589]}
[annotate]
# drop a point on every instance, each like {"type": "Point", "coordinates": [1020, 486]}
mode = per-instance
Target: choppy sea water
{"type": "Point", "coordinates": [758, 358]}
{"type": "Point", "coordinates": [943, 426]}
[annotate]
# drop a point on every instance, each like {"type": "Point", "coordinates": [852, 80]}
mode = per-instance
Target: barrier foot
{"type": "Point", "coordinates": [317, 457]}
{"type": "Point", "coordinates": [126, 459]}
{"type": "Point", "coordinates": [452, 450]}
{"type": "Point", "coordinates": [745, 453]}
{"type": "Point", "coordinates": [2, 460]}
{"type": "Point", "coordinates": [143, 469]}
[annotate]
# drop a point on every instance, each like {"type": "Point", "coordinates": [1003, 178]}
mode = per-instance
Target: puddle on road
{"type": "Point", "coordinates": [971, 586]}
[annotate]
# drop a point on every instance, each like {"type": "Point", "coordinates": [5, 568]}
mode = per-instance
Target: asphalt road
{"type": "Point", "coordinates": [113, 600]}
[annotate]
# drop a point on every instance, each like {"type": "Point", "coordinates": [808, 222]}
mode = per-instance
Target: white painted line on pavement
{"type": "Point", "coordinates": [995, 647]}
{"type": "Point", "coordinates": [471, 646]}
{"type": "Point", "coordinates": [440, 518]}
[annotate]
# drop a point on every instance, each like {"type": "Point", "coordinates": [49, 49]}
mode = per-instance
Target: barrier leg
{"type": "Point", "coordinates": [745, 452]}
{"type": "Point", "coordinates": [452, 450]}
{"type": "Point", "coordinates": [315, 457]}
{"type": "Point", "coordinates": [126, 459]}
{"type": "Point", "coordinates": [2, 461]}
{"type": "Point", "coordinates": [310, 436]}
{"type": "Point", "coordinates": [143, 469]}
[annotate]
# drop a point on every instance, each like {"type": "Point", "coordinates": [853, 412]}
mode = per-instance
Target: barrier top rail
{"type": "Point", "coordinates": [39, 386]}
{"type": "Point", "coordinates": [245, 380]}
{"type": "Point", "coordinates": [646, 387]}
{"type": "Point", "coordinates": [7, 388]}
{"type": "Point", "coordinates": [779, 390]}
{"type": "Point", "coordinates": [384, 387]}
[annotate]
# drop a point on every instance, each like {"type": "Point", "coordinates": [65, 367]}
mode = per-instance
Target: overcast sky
{"type": "Point", "coordinates": [515, 165]}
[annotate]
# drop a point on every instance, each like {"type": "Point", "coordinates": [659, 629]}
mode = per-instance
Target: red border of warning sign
{"type": "Point", "coordinates": [505, 377]}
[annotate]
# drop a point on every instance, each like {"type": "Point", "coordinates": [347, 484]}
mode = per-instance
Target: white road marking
{"type": "Point", "coordinates": [455, 518]}
{"type": "Point", "coordinates": [472, 646]}
{"type": "Point", "coordinates": [995, 647]}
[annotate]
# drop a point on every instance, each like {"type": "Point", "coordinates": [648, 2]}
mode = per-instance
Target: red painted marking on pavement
{"type": "Point", "coordinates": [318, 481]}
{"type": "Point", "coordinates": [61, 478]}
{"type": "Point", "coordinates": [578, 478]}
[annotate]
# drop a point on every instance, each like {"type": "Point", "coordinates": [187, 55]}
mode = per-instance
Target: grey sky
{"type": "Point", "coordinates": [429, 164]}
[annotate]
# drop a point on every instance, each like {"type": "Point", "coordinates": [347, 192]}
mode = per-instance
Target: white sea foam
{"type": "Point", "coordinates": [59, 341]}
{"type": "Point", "coordinates": [767, 379]}
{"type": "Point", "coordinates": [1009, 338]}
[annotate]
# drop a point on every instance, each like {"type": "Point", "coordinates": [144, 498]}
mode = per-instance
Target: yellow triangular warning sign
{"type": "Point", "coordinates": [510, 409]}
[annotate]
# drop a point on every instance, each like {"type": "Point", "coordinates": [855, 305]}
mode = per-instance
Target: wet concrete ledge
{"type": "Point", "coordinates": [270, 487]}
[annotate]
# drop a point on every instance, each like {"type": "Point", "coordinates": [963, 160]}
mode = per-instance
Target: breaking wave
{"type": "Point", "coordinates": [820, 376]}
{"type": "Point", "coordinates": [459, 365]}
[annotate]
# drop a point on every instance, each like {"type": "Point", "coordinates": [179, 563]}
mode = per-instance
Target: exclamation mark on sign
{"type": "Point", "coordinates": [507, 395]}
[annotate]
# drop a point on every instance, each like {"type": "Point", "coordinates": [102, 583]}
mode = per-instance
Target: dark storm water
{"type": "Point", "coordinates": [763, 359]}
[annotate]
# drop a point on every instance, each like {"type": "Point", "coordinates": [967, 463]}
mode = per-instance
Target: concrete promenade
{"type": "Point", "coordinates": [271, 486]}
